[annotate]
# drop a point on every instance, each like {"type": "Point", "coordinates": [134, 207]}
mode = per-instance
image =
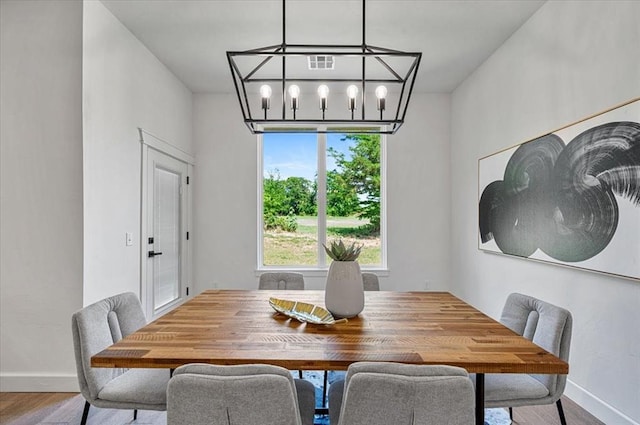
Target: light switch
{"type": "Point", "coordinates": [129, 238]}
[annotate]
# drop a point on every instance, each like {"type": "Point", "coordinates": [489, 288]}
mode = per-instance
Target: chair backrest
{"type": "Point", "coordinates": [200, 394]}
{"type": "Point", "coordinates": [96, 327]}
{"type": "Point", "coordinates": [392, 393]}
{"type": "Point", "coordinates": [284, 280]}
{"type": "Point", "coordinates": [370, 282]}
{"type": "Point", "coordinates": [546, 325]}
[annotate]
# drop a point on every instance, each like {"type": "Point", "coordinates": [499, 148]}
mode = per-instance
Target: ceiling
{"type": "Point", "coordinates": [191, 36]}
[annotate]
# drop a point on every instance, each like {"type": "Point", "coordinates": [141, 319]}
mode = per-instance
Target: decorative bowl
{"type": "Point", "coordinates": [304, 312]}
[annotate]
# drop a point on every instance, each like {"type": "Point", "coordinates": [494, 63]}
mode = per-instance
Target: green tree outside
{"type": "Point", "coordinates": [274, 195]}
{"type": "Point", "coordinates": [362, 172]}
{"type": "Point", "coordinates": [342, 199]}
{"type": "Point", "coordinates": [300, 196]}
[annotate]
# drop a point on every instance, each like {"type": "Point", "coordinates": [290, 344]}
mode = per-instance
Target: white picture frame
{"type": "Point", "coordinates": [570, 197]}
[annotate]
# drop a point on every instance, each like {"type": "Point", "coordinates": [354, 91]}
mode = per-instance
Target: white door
{"type": "Point", "coordinates": [166, 232]}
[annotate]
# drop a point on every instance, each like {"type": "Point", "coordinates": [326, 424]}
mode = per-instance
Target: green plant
{"type": "Point", "coordinates": [286, 223]}
{"type": "Point", "coordinates": [338, 251]}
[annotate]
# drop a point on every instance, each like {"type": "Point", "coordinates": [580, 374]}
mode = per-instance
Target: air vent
{"type": "Point", "coordinates": [321, 62]}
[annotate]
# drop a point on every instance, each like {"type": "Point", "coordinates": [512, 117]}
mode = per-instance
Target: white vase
{"type": "Point", "coordinates": [344, 293]}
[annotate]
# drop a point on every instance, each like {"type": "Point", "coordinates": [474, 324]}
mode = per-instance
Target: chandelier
{"type": "Point", "coordinates": [370, 86]}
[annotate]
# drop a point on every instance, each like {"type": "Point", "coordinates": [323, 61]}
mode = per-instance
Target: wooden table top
{"type": "Point", "coordinates": [240, 327]}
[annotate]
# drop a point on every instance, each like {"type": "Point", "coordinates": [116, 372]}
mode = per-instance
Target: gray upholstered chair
{"type": "Point", "coordinates": [200, 394]}
{"type": "Point", "coordinates": [284, 280]}
{"type": "Point", "coordinates": [392, 393]}
{"type": "Point", "coordinates": [547, 326]}
{"type": "Point", "coordinates": [96, 327]}
{"type": "Point", "coordinates": [370, 282]}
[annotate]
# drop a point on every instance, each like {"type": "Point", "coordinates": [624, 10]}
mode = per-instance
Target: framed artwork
{"type": "Point", "coordinates": [570, 197]}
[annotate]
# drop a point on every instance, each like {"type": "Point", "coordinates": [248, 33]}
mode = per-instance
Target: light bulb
{"type": "Point", "coordinates": [381, 94]}
{"type": "Point", "coordinates": [323, 91]}
{"type": "Point", "coordinates": [352, 91]}
{"type": "Point", "coordinates": [294, 91]}
{"type": "Point", "coordinates": [265, 91]}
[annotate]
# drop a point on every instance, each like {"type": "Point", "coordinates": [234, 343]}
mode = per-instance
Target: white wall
{"type": "Point", "coordinates": [418, 198]}
{"type": "Point", "coordinates": [125, 87]}
{"type": "Point", "coordinates": [41, 191]}
{"type": "Point", "coordinates": [570, 60]}
{"type": "Point", "coordinates": [224, 192]}
{"type": "Point", "coordinates": [226, 185]}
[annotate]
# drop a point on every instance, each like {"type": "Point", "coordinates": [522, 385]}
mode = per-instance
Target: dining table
{"type": "Point", "coordinates": [232, 327]}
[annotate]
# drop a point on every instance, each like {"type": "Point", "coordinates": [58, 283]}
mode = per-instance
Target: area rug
{"type": "Point", "coordinates": [496, 417]}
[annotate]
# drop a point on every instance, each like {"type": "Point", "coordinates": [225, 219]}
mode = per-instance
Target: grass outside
{"type": "Point", "coordinates": [300, 248]}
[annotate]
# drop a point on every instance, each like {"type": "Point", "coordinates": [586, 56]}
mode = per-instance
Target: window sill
{"type": "Point", "coordinates": [318, 272]}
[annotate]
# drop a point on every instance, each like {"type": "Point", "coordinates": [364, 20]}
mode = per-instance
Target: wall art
{"type": "Point", "coordinates": [570, 197]}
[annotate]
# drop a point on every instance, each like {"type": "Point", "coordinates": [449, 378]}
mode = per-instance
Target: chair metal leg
{"type": "Point", "coordinates": [511, 413]}
{"type": "Point", "coordinates": [85, 413]}
{"type": "Point", "coordinates": [135, 414]}
{"type": "Point", "coordinates": [300, 374]}
{"type": "Point", "coordinates": [324, 389]}
{"type": "Point", "coordinates": [563, 421]}
{"type": "Point", "coordinates": [479, 398]}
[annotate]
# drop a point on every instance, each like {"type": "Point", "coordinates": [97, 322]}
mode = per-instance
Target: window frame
{"type": "Point", "coordinates": [322, 266]}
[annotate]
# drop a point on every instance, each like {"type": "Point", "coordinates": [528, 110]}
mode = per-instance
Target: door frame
{"type": "Point", "coordinates": [149, 141]}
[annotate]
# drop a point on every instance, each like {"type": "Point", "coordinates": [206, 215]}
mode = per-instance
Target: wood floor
{"type": "Point", "coordinates": [66, 409]}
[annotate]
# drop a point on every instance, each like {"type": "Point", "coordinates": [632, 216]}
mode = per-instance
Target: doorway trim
{"type": "Point", "coordinates": [150, 141]}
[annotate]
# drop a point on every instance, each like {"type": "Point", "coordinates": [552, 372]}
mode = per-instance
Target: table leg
{"type": "Point", "coordinates": [479, 398]}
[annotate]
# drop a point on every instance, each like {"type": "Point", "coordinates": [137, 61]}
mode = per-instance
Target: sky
{"type": "Point", "coordinates": [295, 154]}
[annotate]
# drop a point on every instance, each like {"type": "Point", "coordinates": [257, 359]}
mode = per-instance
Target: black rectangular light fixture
{"type": "Point", "coordinates": [376, 83]}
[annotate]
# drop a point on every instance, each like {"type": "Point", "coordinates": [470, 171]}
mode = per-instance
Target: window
{"type": "Point", "coordinates": [316, 188]}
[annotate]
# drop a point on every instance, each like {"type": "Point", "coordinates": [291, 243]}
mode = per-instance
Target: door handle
{"type": "Point", "coordinates": [153, 253]}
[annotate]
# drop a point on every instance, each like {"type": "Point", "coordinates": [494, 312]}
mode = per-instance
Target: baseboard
{"type": "Point", "coordinates": [15, 382]}
{"type": "Point", "coordinates": [598, 408]}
